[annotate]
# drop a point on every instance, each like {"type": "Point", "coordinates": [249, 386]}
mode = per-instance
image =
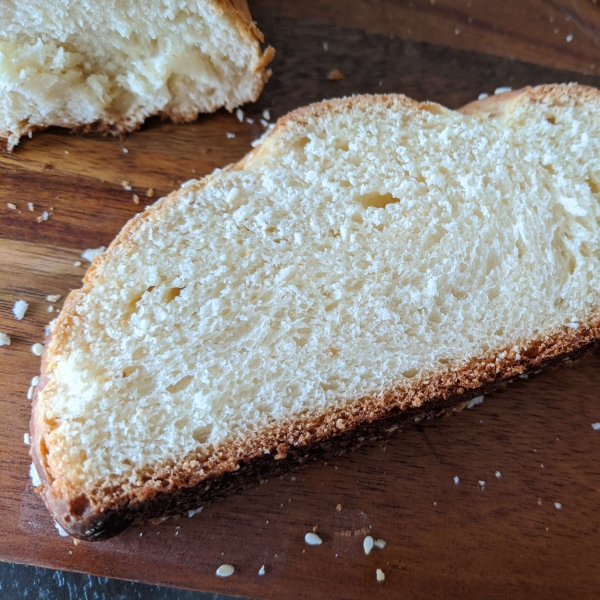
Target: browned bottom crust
{"type": "Point", "coordinates": [173, 491]}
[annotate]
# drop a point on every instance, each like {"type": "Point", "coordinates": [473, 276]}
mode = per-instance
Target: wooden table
{"type": "Point", "coordinates": [532, 444]}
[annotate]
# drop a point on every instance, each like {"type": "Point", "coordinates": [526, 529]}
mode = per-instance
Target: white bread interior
{"type": "Point", "coordinates": [368, 244]}
{"type": "Point", "coordinates": [111, 64]}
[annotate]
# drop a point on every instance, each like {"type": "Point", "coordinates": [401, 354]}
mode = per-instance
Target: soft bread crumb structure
{"type": "Point", "coordinates": [374, 262]}
{"type": "Point", "coordinates": [108, 66]}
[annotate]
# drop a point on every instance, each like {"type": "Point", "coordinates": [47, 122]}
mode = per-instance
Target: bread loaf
{"type": "Point", "coordinates": [375, 261]}
{"type": "Point", "coordinates": [107, 66]}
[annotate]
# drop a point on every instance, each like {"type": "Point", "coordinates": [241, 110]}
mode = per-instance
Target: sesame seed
{"type": "Point", "coordinates": [325, 46]}
{"type": "Point", "coordinates": [45, 216]}
{"type": "Point", "coordinates": [249, 120]}
{"type": "Point", "coordinates": [189, 182]}
{"type": "Point", "coordinates": [502, 90]}
{"type": "Point", "coordinates": [264, 123]}
{"type": "Point", "coordinates": [481, 483]}
{"type": "Point", "coordinates": [50, 308]}
{"type": "Point", "coordinates": [482, 96]}
{"type": "Point", "coordinates": [596, 426]}
{"type": "Point", "coordinates": [312, 539]}
{"type": "Point", "coordinates": [150, 192]}
{"type": "Point", "coordinates": [266, 114]}
{"type": "Point", "coordinates": [239, 113]}
{"type": "Point", "coordinates": [37, 349]}
{"type": "Point", "coordinates": [26, 439]}
{"type": "Point", "coordinates": [124, 150]}
{"type": "Point", "coordinates": [557, 505]}
{"type": "Point", "coordinates": [77, 263]}
{"type": "Point", "coordinates": [30, 392]}
{"type": "Point", "coordinates": [457, 31]}
{"type": "Point", "coordinates": [261, 571]}
{"type": "Point", "coordinates": [335, 75]}
{"type": "Point", "coordinates": [11, 206]}
{"type": "Point", "coordinates": [136, 199]}
{"type": "Point", "coordinates": [380, 575]}
{"type": "Point", "coordinates": [338, 507]}
{"type": "Point", "coordinates": [569, 38]}
{"type": "Point", "coordinates": [368, 545]}
{"type": "Point", "coordinates": [225, 571]}
{"type": "Point", "coordinates": [456, 480]}
{"type": "Point", "coordinates": [498, 474]}
{"type": "Point", "coordinates": [232, 195]}
{"type": "Point", "coordinates": [30, 206]}
{"type": "Point", "coordinates": [230, 135]}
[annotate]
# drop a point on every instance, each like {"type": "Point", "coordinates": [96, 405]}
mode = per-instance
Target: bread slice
{"type": "Point", "coordinates": [106, 66]}
{"type": "Point", "coordinates": [373, 262]}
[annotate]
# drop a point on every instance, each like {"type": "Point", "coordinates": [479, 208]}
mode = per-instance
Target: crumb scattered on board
{"type": "Point", "coordinates": [19, 309]}
{"type": "Point", "coordinates": [335, 75]}
{"type": "Point", "coordinates": [91, 253]}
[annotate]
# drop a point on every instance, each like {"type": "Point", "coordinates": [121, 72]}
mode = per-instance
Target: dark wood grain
{"type": "Point", "coordinates": [558, 33]}
{"type": "Point", "coordinates": [503, 540]}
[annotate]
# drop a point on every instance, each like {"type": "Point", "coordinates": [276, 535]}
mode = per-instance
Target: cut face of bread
{"type": "Point", "coordinates": [374, 261]}
{"type": "Point", "coordinates": [109, 65]}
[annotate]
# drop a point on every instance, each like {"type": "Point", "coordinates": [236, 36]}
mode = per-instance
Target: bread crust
{"type": "Point", "coordinates": [238, 13]}
{"type": "Point", "coordinates": [194, 480]}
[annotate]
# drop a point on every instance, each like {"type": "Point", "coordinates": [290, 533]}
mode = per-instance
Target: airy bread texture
{"type": "Point", "coordinates": [374, 258]}
{"type": "Point", "coordinates": [108, 65]}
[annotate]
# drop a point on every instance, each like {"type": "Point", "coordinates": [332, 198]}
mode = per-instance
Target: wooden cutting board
{"type": "Point", "coordinates": [522, 521]}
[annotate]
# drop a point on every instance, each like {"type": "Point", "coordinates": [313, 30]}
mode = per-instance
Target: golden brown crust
{"type": "Point", "coordinates": [238, 13]}
{"type": "Point", "coordinates": [173, 489]}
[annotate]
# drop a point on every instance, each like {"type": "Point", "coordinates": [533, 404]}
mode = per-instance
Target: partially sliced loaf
{"type": "Point", "coordinates": [374, 262]}
{"type": "Point", "coordinates": [108, 65]}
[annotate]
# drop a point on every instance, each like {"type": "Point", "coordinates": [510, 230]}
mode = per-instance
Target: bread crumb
{"type": "Point", "coordinates": [150, 192]}
{"type": "Point", "coordinates": [335, 75]}
{"type": "Point", "coordinates": [331, 351]}
{"type": "Point", "coordinates": [380, 575]}
{"type": "Point", "coordinates": [261, 571]}
{"type": "Point", "coordinates": [19, 309]}
{"type": "Point", "coordinates": [502, 90]}
{"type": "Point", "coordinates": [77, 263]}
{"type": "Point", "coordinates": [477, 400]}
{"type": "Point", "coordinates": [136, 199]}
{"type": "Point", "coordinates": [338, 507]}
{"type": "Point", "coordinates": [53, 297]}
{"type": "Point", "coordinates": [34, 476]}
{"type": "Point", "coordinates": [225, 571]}
{"type": "Point", "coordinates": [381, 544]}
{"type": "Point", "coordinates": [11, 206]}
{"type": "Point", "coordinates": [91, 253]}
{"type": "Point", "coordinates": [4, 339]}
{"type": "Point", "coordinates": [315, 527]}
{"type": "Point", "coordinates": [125, 185]}
{"type": "Point", "coordinates": [312, 539]}
{"type": "Point", "coordinates": [230, 135]}
{"type": "Point", "coordinates": [596, 426]}
{"type": "Point", "coordinates": [37, 349]}
{"type": "Point", "coordinates": [368, 545]}
{"type": "Point", "coordinates": [35, 380]}
{"type": "Point", "coordinates": [30, 206]}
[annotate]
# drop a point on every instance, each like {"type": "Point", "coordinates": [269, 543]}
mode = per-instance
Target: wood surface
{"type": "Point", "coordinates": [505, 539]}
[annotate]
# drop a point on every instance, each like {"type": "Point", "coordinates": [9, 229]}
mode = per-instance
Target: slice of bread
{"type": "Point", "coordinates": [373, 262]}
{"type": "Point", "coordinates": [106, 66]}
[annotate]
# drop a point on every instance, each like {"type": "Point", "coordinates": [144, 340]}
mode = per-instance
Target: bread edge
{"type": "Point", "coordinates": [178, 489]}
